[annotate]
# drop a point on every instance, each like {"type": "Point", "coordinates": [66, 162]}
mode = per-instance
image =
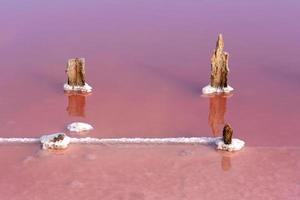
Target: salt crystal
{"type": "Point", "coordinates": [79, 127]}
{"type": "Point", "coordinates": [235, 145]}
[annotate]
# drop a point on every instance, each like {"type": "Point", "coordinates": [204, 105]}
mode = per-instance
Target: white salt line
{"type": "Point", "coordinates": [49, 141]}
{"type": "Point", "coordinates": [179, 140]}
{"type": "Point", "coordinates": [19, 140]}
{"type": "Point", "coordinates": [89, 140]}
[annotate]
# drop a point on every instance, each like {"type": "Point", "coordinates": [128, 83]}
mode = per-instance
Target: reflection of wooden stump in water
{"type": "Point", "coordinates": [219, 65]}
{"type": "Point", "coordinates": [76, 105]}
{"type": "Point", "coordinates": [76, 72]}
{"type": "Point", "coordinates": [226, 163]}
{"type": "Point", "coordinates": [217, 110]}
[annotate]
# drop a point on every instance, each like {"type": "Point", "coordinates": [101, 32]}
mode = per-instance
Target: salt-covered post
{"type": "Point", "coordinates": [76, 76]}
{"type": "Point", "coordinates": [219, 70]}
{"type": "Point", "coordinates": [227, 134]}
{"type": "Point", "coordinates": [75, 72]}
{"type": "Point", "coordinates": [219, 65]}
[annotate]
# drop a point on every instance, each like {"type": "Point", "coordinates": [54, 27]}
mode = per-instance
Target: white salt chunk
{"type": "Point", "coordinates": [210, 90]}
{"type": "Point", "coordinates": [55, 141]}
{"type": "Point", "coordinates": [70, 88]}
{"type": "Point", "coordinates": [79, 127]}
{"type": "Point", "coordinates": [235, 145]}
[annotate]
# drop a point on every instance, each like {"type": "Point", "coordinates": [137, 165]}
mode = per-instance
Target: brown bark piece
{"type": "Point", "coordinates": [58, 138]}
{"type": "Point", "coordinates": [227, 134]}
{"type": "Point", "coordinates": [76, 71]}
{"type": "Point", "coordinates": [219, 65]}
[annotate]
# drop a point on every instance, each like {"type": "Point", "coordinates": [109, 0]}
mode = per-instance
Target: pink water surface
{"type": "Point", "coordinates": [147, 62]}
{"type": "Point", "coordinates": [149, 172]}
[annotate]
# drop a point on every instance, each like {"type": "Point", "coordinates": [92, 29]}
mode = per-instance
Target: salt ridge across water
{"type": "Point", "coordinates": [235, 146]}
{"type": "Point", "coordinates": [178, 140]}
{"type": "Point", "coordinates": [19, 140]}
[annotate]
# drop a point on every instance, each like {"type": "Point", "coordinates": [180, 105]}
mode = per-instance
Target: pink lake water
{"type": "Point", "coordinates": [147, 62]}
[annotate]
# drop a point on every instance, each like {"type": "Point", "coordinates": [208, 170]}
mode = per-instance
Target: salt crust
{"type": "Point", "coordinates": [19, 140]}
{"type": "Point", "coordinates": [209, 89]}
{"type": "Point", "coordinates": [235, 145]}
{"type": "Point", "coordinates": [86, 88]}
{"type": "Point", "coordinates": [79, 127]}
{"type": "Point", "coordinates": [49, 143]}
{"type": "Point", "coordinates": [180, 140]}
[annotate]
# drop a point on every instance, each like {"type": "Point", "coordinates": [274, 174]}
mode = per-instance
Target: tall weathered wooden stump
{"type": "Point", "coordinates": [227, 134]}
{"type": "Point", "coordinates": [219, 70]}
{"type": "Point", "coordinates": [76, 72]}
{"type": "Point", "coordinates": [76, 76]}
{"type": "Point", "coordinates": [219, 65]}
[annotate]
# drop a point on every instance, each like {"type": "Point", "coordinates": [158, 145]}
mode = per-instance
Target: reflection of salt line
{"type": "Point", "coordinates": [19, 140]}
{"type": "Point", "coordinates": [179, 140]}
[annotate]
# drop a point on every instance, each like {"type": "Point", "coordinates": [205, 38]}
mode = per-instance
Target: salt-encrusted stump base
{"type": "Point", "coordinates": [210, 90]}
{"type": "Point", "coordinates": [79, 127]}
{"type": "Point", "coordinates": [55, 141]}
{"type": "Point", "coordinates": [86, 88]}
{"type": "Point", "coordinates": [235, 145]}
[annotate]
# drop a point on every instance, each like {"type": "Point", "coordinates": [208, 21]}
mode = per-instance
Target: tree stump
{"type": "Point", "coordinates": [227, 134]}
{"type": "Point", "coordinates": [76, 72]}
{"type": "Point", "coordinates": [219, 65]}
